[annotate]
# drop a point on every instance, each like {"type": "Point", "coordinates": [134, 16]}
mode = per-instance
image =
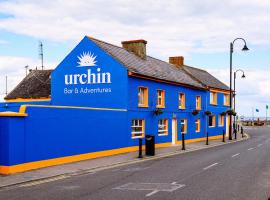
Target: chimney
{"type": "Point", "coordinates": [177, 60]}
{"type": "Point", "coordinates": [138, 47]}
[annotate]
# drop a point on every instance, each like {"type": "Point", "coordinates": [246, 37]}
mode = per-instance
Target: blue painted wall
{"type": "Point", "coordinates": [15, 106]}
{"type": "Point", "coordinates": [53, 132]}
{"type": "Point", "coordinates": [109, 95]}
{"type": "Point", "coordinates": [171, 108]}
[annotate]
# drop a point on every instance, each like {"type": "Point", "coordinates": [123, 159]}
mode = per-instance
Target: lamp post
{"type": "Point", "coordinates": [234, 78]}
{"type": "Point", "coordinates": [245, 48]}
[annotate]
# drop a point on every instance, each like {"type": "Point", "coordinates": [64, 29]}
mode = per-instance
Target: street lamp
{"type": "Point", "coordinates": [245, 48]}
{"type": "Point", "coordinates": [234, 78]}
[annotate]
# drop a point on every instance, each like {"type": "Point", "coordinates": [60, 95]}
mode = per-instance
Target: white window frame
{"type": "Point", "coordinates": [221, 120]}
{"type": "Point", "coordinates": [198, 122]}
{"type": "Point", "coordinates": [163, 124]}
{"type": "Point", "coordinates": [214, 121]}
{"type": "Point", "coordinates": [135, 123]}
{"type": "Point", "coordinates": [183, 122]}
{"type": "Point", "coordinates": [161, 98]}
{"type": "Point", "coordinates": [198, 102]}
{"type": "Point", "coordinates": [226, 99]}
{"type": "Point", "coordinates": [213, 98]}
{"type": "Point", "coordinates": [181, 100]}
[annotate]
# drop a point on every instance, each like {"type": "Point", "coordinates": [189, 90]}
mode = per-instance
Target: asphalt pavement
{"type": "Point", "coordinates": [234, 171]}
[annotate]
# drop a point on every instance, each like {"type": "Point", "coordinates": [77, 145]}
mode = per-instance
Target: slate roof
{"type": "Point", "coordinates": [205, 78]}
{"type": "Point", "coordinates": [150, 66]}
{"type": "Point", "coordinates": [37, 84]}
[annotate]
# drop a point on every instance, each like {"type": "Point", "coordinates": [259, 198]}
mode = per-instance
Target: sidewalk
{"type": "Point", "coordinates": [98, 164]}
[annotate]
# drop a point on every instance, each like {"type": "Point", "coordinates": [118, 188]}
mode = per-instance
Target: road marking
{"type": "Point", "coordinates": [153, 187]}
{"type": "Point", "coordinates": [250, 148]}
{"type": "Point", "coordinates": [152, 193]}
{"type": "Point", "coordinates": [210, 166]}
{"type": "Point", "coordinates": [38, 182]}
{"type": "Point", "coordinates": [259, 145]}
{"type": "Point", "coordinates": [235, 155]}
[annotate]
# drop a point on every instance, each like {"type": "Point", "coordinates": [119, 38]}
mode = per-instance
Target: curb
{"type": "Point", "coordinates": [119, 164]}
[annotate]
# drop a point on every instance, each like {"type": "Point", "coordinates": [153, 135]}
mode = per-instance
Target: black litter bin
{"type": "Point", "coordinates": [149, 145]}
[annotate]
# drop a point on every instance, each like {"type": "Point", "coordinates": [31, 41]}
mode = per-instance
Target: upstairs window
{"type": "Point", "coordinates": [221, 120]}
{"type": "Point", "coordinates": [213, 98]}
{"type": "Point", "coordinates": [198, 125]}
{"type": "Point", "coordinates": [226, 100]}
{"type": "Point", "coordinates": [160, 99]}
{"type": "Point", "coordinates": [183, 126]}
{"type": "Point", "coordinates": [212, 121]}
{"type": "Point", "coordinates": [137, 128]}
{"type": "Point", "coordinates": [198, 103]}
{"type": "Point", "coordinates": [181, 101]}
{"type": "Point", "coordinates": [143, 97]}
{"type": "Point", "coordinates": [163, 127]}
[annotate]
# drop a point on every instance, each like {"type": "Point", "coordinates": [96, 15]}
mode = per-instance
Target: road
{"type": "Point", "coordinates": [234, 171]}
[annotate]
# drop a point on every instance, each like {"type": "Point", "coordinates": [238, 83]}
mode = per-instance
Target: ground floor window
{"type": "Point", "coordinates": [221, 120]}
{"type": "Point", "coordinates": [183, 126]}
{"type": "Point", "coordinates": [198, 125]}
{"type": "Point", "coordinates": [163, 127]}
{"type": "Point", "coordinates": [212, 121]}
{"type": "Point", "coordinates": [137, 128]}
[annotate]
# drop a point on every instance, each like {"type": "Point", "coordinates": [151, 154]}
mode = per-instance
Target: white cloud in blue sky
{"type": "Point", "coordinates": [199, 30]}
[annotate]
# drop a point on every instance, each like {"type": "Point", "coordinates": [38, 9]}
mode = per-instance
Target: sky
{"type": "Point", "coordinates": [199, 30]}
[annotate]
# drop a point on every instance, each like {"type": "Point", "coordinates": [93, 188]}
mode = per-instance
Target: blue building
{"type": "Point", "coordinates": [100, 99]}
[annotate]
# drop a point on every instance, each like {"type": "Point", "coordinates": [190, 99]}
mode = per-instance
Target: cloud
{"type": "Point", "coordinates": [251, 92]}
{"type": "Point", "coordinates": [3, 42]}
{"type": "Point", "coordinates": [14, 69]}
{"type": "Point", "coordinates": [176, 27]}
{"type": "Point", "coordinates": [187, 25]}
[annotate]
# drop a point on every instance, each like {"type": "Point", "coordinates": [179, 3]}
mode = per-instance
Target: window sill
{"type": "Point", "coordinates": [226, 105]}
{"type": "Point", "coordinates": [211, 126]}
{"type": "Point", "coordinates": [183, 132]}
{"type": "Point", "coordinates": [142, 106]}
{"type": "Point", "coordinates": [137, 137]}
{"type": "Point", "coordinates": [214, 104]}
{"type": "Point", "coordinates": [160, 106]}
{"type": "Point", "coordinates": [197, 131]}
{"type": "Point", "coordinates": [220, 125]}
{"type": "Point", "coordinates": [181, 108]}
{"type": "Point", "coordinates": [163, 134]}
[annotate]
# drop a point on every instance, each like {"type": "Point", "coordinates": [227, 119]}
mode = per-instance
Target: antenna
{"type": "Point", "coordinates": [41, 54]}
{"type": "Point", "coordinates": [26, 69]}
{"type": "Point", "coordinates": [6, 85]}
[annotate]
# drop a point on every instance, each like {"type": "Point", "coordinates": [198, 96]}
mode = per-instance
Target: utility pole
{"type": "Point", "coordinates": [6, 85]}
{"type": "Point", "coordinates": [41, 54]}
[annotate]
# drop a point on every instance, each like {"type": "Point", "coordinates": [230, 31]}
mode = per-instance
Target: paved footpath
{"type": "Point", "coordinates": [93, 165]}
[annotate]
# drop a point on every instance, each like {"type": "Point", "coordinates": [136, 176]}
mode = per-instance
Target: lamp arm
{"type": "Point", "coordinates": [240, 39]}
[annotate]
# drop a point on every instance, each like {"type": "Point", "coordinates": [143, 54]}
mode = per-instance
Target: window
{"type": "Point", "coordinates": [226, 99]}
{"type": "Point", "coordinates": [163, 127]}
{"type": "Point", "coordinates": [137, 128]}
{"type": "Point", "coordinates": [213, 98]}
{"type": "Point", "coordinates": [183, 126]}
{"type": "Point", "coordinates": [198, 125]}
{"type": "Point", "coordinates": [221, 120]}
{"type": "Point", "coordinates": [143, 97]}
{"type": "Point", "coordinates": [212, 121]}
{"type": "Point", "coordinates": [160, 98]}
{"type": "Point", "coordinates": [181, 100]}
{"type": "Point", "coordinates": [198, 103]}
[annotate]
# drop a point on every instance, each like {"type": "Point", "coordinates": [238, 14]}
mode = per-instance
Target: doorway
{"type": "Point", "coordinates": [174, 131]}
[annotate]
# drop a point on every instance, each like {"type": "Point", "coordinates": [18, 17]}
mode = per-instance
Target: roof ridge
{"type": "Point", "coordinates": [196, 68]}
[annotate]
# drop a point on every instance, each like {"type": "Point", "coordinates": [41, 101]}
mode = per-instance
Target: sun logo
{"type": "Point", "coordinates": [87, 59]}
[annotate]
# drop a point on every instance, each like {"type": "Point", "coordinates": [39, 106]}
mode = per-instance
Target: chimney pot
{"type": "Point", "coordinates": [138, 47]}
{"type": "Point", "coordinates": [177, 60]}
